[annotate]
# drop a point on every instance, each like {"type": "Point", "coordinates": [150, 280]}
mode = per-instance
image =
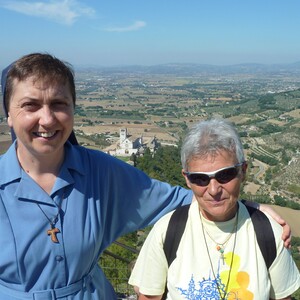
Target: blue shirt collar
{"type": "Point", "coordinates": [11, 170]}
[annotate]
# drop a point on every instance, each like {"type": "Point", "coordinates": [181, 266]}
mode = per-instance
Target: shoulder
{"type": "Point", "coordinates": [159, 229]}
{"type": "Point", "coordinates": [9, 165]}
{"type": "Point", "coordinates": [263, 217]}
{"type": "Point", "coordinates": [161, 226]}
{"type": "Point", "coordinates": [11, 151]}
{"type": "Point", "coordinates": [83, 152]}
{"type": "Point", "coordinates": [86, 156]}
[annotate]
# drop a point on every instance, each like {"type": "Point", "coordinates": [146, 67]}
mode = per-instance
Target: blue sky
{"type": "Point", "coordinates": [149, 32]}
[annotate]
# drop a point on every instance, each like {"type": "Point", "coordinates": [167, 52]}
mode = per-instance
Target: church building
{"type": "Point", "coordinates": [129, 145]}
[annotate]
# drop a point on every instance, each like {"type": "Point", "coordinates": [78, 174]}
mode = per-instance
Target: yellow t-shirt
{"type": "Point", "coordinates": [201, 272]}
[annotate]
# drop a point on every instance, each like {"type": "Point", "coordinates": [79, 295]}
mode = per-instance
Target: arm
{"type": "Point", "coordinates": [150, 270]}
{"type": "Point", "coordinates": [286, 234]}
{"type": "Point", "coordinates": [287, 298]}
{"type": "Point", "coordinates": [146, 297]}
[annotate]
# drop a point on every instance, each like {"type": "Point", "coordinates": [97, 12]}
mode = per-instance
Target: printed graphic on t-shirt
{"type": "Point", "coordinates": [231, 284]}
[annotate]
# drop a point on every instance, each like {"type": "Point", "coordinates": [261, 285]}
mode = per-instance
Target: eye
{"type": "Point", "coordinates": [58, 105]}
{"type": "Point", "coordinates": [30, 106]}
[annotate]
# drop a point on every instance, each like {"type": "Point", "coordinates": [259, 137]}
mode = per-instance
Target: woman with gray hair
{"type": "Point", "coordinates": [218, 255]}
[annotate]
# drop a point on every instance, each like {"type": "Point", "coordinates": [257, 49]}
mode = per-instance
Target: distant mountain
{"type": "Point", "coordinates": [201, 69]}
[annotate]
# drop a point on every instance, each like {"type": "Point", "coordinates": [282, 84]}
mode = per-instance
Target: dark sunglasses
{"type": "Point", "coordinates": [223, 175]}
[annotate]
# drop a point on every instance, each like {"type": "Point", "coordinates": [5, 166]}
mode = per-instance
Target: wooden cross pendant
{"type": "Point", "coordinates": [53, 231]}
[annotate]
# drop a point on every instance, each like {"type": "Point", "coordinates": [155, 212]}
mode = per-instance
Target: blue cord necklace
{"type": "Point", "coordinates": [53, 231]}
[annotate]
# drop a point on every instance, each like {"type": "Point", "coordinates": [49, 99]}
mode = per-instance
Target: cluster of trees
{"type": "Point", "coordinates": [265, 158]}
{"type": "Point", "coordinates": [280, 201]}
{"type": "Point", "coordinates": [267, 101]}
{"type": "Point", "coordinates": [164, 165]}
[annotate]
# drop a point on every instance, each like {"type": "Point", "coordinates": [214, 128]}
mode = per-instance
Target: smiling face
{"type": "Point", "coordinates": [41, 114]}
{"type": "Point", "coordinates": [217, 201]}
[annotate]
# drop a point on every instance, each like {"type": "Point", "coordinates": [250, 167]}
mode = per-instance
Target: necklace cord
{"type": "Point", "coordinates": [53, 230]}
{"type": "Point", "coordinates": [232, 257]}
{"type": "Point", "coordinates": [52, 221]}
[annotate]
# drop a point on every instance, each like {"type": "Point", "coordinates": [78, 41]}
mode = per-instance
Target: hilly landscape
{"type": "Point", "coordinates": [164, 101]}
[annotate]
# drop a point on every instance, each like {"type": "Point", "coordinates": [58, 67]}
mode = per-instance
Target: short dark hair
{"type": "Point", "coordinates": [40, 66]}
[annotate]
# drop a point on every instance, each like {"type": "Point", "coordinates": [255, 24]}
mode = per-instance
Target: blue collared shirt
{"type": "Point", "coordinates": [99, 198]}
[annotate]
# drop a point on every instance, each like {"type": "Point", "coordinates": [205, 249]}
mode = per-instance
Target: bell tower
{"type": "Point", "coordinates": [123, 134]}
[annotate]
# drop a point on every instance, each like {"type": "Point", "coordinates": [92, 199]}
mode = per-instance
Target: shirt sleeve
{"type": "Point", "coordinates": [130, 199]}
{"type": "Point", "coordinates": [151, 267]}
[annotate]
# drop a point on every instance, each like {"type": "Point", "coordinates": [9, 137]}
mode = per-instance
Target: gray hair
{"type": "Point", "coordinates": [208, 138]}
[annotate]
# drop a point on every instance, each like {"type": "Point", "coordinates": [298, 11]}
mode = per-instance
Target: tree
{"type": "Point", "coordinates": [163, 165]}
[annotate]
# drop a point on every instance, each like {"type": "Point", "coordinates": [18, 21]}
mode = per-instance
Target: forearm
{"type": "Point", "coordinates": [146, 297]}
{"type": "Point", "coordinates": [287, 298]}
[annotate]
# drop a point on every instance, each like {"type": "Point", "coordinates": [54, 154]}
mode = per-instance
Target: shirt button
{"type": "Point", "coordinates": [58, 258]}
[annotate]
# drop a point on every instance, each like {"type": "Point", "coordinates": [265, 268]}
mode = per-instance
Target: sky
{"type": "Point", "coordinates": [151, 32]}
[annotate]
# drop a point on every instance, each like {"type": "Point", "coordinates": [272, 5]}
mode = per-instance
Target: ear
{"type": "Point", "coordinates": [9, 121]}
{"type": "Point", "coordinates": [186, 179]}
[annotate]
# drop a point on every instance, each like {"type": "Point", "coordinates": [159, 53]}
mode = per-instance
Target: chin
{"type": "Point", "coordinates": [49, 149]}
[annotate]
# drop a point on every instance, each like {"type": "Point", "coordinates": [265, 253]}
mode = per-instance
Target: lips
{"type": "Point", "coordinates": [45, 134]}
{"type": "Point", "coordinates": [217, 202]}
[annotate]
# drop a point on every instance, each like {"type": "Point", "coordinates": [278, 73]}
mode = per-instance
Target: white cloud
{"type": "Point", "coordinates": [61, 11]}
{"type": "Point", "coordinates": [135, 26]}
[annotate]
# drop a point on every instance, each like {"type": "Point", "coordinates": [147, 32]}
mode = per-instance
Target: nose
{"type": "Point", "coordinates": [214, 187]}
{"type": "Point", "coordinates": [47, 116]}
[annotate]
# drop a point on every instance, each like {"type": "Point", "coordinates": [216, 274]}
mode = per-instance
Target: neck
{"type": "Point", "coordinates": [42, 169]}
{"type": "Point", "coordinates": [220, 218]}
{"type": "Point", "coordinates": [37, 166]}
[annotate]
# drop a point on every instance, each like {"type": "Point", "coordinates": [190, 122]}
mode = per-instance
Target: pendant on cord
{"type": "Point", "coordinates": [53, 231]}
{"type": "Point", "coordinates": [221, 250]}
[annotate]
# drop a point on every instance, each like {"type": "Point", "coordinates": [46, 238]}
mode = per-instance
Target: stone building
{"type": "Point", "coordinates": [129, 145]}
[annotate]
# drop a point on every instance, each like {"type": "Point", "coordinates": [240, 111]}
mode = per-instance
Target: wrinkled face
{"type": "Point", "coordinates": [41, 115]}
{"type": "Point", "coordinates": [217, 201]}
